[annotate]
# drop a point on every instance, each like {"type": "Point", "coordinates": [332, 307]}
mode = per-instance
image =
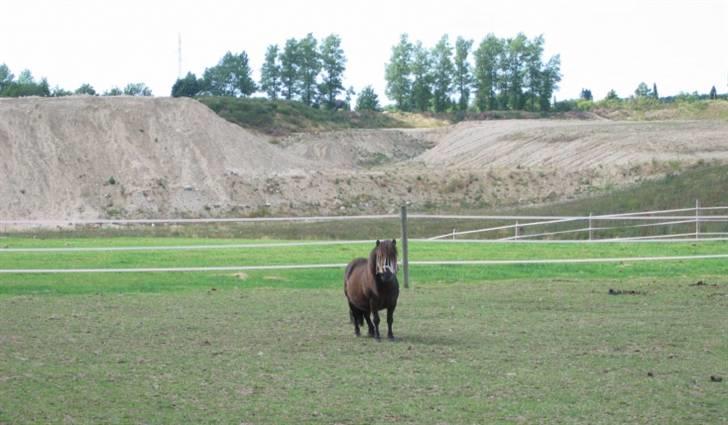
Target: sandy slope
{"type": "Point", "coordinates": [58, 156]}
{"type": "Point", "coordinates": [577, 145]}
{"type": "Point", "coordinates": [88, 157]}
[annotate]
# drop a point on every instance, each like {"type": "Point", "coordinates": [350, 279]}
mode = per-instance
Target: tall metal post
{"type": "Point", "coordinates": [405, 246]}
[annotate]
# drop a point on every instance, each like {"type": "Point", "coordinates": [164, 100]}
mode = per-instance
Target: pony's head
{"type": "Point", "coordinates": [383, 260]}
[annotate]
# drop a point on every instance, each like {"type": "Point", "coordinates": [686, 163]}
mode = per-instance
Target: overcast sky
{"type": "Point", "coordinates": [680, 45]}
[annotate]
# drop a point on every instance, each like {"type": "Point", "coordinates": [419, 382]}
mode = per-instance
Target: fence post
{"type": "Point", "coordinates": [697, 219]}
{"type": "Point", "coordinates": [405, 246]}
{"type": "Point", "coordinates": [516, 231]}
{"type": "Point", "coordinates": [590, 226]}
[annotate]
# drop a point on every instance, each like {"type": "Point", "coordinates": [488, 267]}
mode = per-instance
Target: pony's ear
{"type": "Point", "coordinates": [377, 242]}
{"type": "Point", "coordinates": [394, 241]}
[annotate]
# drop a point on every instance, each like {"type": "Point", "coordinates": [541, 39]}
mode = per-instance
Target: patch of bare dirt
{"type": "Point", "coordinates": [357, 149]}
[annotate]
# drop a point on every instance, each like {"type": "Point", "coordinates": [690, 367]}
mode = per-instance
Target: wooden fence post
{"type": "Point", "coordinates": [590, 226]}
{"type": "Point", "coordinates": [405, 246]}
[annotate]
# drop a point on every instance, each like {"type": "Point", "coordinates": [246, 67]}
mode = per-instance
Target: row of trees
{"type": "Point", "coordinates": [26, 85]}
{"type": "Point", "coordinates": [502, 74]}
{"type": "Point", "coordinates": [642, 97]}
{"type": "Point", "coordinates": [307, 70]}
{"type": "Point", "coordinates": [643, 91]}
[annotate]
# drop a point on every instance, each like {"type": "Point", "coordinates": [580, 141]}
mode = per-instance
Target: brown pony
{"type": "Point", "coordinates": [371, 285]}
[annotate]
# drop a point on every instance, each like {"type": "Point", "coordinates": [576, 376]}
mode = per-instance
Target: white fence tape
{"type": "Point", "coordinates": [329, 266]}
{"type": "Point", "coordinates": [181, 247]}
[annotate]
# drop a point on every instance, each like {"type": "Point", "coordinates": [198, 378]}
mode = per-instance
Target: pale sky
{"type": "Point", "coordinates": [680, 45]}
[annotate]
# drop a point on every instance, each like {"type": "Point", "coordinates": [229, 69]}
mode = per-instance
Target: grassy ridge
{"type": "Point", "coordinates": [705, 183]}
{"type": "Point", "coordinates": [281, 117]}
{"type": "Point", "coordinates": [648, 109]}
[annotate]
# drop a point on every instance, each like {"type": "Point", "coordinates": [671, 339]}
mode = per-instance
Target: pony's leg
{"type": "Point", "coordinates": [356, 324]}
{"type": "Point", "coordinates": [376, 324]}
{"type": "Point", "coordinates": [369, 323]}
{"type": "Point", "coordinates": [354, 316]}
{"type": "Point", "coordinates": [390, 319]}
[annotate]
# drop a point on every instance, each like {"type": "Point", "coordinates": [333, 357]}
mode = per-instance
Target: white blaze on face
{"type": "Point", "coordinates": [384, 264]}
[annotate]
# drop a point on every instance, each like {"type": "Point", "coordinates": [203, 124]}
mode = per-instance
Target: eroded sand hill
{"type": "Point", "coordinates": [92, 156]}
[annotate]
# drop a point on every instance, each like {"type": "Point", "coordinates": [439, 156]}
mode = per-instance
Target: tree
{"type": "Point", "coordinates": [114, 91]}
{"type": "Point", "coordinates": [642, 90]}
{"type": "Point", "coordinates": [188, 86]}
{"type": "Point", "coordinates": [137, 89]}
{"type": "Point", "coordinates": [463, 78]}
{"type": "Point", "coordinates": [398, 73]}
{"type": "Point", "coordinates": [533, 69]}
{"type": "Point", "coordinates": [422, 78]}
{"type": "Point", "coordinates": [230, 77]}
{"type": "Point", "coordinates": [60, 92]}
{"type": "Point", "coordinates": [486, 72]}
{"type": "Point", "coordinates": [26, 77]}
{"type": "Point", "coordinates": [586, 94]}
{"type": "Point", "coordinates": [367, 100]}
{"type": "Point", "coordinates": [85, 89]}
{"type": "Point", "coordinates": [25, 85]}
{"type": "Point", "coordinates": [333, 63]}
{"type": "Point", "coordinates": [654, 91]}
{"type": "Point", "coordinates": [713, 93]}
{"type": "Point", "coordinates": [551, 75]}
{"type": "Point", "coordinates": [270, 73]}
{"type": "Point", "coordinates": [309, 68]}
{"type": "Point", "coordinates": [442, 72]}
{"type": "Point", "coordinates": [512, 72]}
{"type": "Point", "coordinates": [6, 77]}
{"type": "Point", "coordinates": [612, 95]}
{"type": "Point", "coordinates": [290, 62]}
{"type": "Point", "coordinates": [350, 92]}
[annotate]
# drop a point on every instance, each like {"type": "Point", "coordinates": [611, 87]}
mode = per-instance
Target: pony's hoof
{"type": "Point", "coordinates": [390, 337]}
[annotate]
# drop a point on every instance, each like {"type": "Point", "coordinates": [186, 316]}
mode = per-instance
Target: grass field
{"type": "Point", "coordinates": [476, 344]}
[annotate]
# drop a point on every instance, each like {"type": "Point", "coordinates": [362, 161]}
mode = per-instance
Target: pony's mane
{"type": "Point", "coordinates": [384, 249]}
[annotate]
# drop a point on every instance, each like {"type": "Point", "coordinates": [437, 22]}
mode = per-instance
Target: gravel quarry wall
{"type": "Point", "coordinates": [109, 157]}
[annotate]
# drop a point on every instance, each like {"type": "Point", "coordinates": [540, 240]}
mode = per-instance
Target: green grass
{"type": "Point", "coordinates": [328, 254]}
{"type": "Point", "coordinates": [486, 344]}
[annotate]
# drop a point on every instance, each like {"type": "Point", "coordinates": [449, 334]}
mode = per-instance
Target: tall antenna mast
{"type": "Point", "coordinates": [179, 55]}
